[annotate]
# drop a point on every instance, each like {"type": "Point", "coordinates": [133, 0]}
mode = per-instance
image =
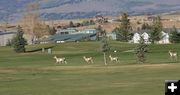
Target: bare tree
{"type": "Point", "coordinates": [32, 24]}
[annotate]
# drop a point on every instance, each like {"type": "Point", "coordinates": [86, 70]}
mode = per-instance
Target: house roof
{"type": "Point", "coordinates": [71, 37]}
{"type": "Point", "coordinates": [67, 30]}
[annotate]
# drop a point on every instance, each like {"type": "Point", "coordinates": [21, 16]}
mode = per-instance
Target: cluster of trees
{"type": "Point", "coordinates": [124, 34]}
{"type": "Point", "coordinates": [18, 42]}
{"type": "Point", "coordinates": [32, 25]}
{"type": "Point", "coordinates": [78, 24]}
{"type": "Point", "coordinates": [84, 23]}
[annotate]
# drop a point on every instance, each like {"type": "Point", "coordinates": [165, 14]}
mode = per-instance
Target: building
{"type": "Point", "coordinates": [146, 37]}
{"type": "Point", "coordinates": [87, 34]}
{"type": "Point", "coordinates": [88, 31]}
{"type": "Point", "coordinates": [136, 38]}
{"type": "Point", "coordinates": [5, 37]}
{"type": "Point", "coordinates": [165, 38]}
{"type": "Point", "coordinates": [111, 36]}
{"type": "Point", "coordinates": [141, 33]}
{"type": "Point", "coordinates": [66, 31]}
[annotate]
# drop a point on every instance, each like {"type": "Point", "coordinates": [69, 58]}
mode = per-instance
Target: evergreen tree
{"type": "Point", "coordinates": [124, 29]}
{"type": "Point", "coordinates": [175, 36]}
{"type": "Point", "coordinates": [19, 42]}
{"type": "Point", "coordinates": [156, 30]}
{"type": "Point", "coordinates": [105, 46]}
{"type": "Point", "coordinates": [141, 50]}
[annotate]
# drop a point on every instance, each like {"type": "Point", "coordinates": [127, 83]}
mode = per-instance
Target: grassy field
{"type": "Point", "coordinates": [34, 73]}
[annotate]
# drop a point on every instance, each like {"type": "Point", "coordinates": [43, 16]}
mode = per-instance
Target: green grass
{"type": "Point", "coordinates": [35, 73]}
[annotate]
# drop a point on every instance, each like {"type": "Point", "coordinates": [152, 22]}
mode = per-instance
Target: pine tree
{"type": "Point", "coordinates": [19, 42]}
{"type": "Point", "coordinates": [124, 29]}
{"type": "Point", "coordinates": [105, 46]}
{"type": "Point", "coordinates": [156, 30]}
{"type": "Point", "coordinates": [141, 50]}
{"type": "Point", "coordinates": [175, 36]}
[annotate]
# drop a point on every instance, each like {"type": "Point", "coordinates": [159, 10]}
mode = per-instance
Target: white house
{"type": "Point", "coordinates": [146, 37]}
{"type": "Point", "coordinates": [165, 38]}
{"type": "Point", "coordinates": [66, 31]}
{"type": "Point", "coordinates": [89, 31]}
{"type": "Point", "coordinates": [111, 36]}
{"type": "Point", "coordinates": [136, 38]}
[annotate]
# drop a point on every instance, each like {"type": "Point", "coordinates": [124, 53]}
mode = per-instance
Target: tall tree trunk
{"type": "Point", "coordinates": [105, 62]}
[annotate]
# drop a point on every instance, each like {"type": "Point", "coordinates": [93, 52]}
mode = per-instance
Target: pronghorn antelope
{"type": "Point", "coordinates": [113, 58]}
{"type": "Point", "coordinates": [88, 60]}
{"type": "Point", "coordinates": [173, 54]}
{"type": "Point", "coordinates": [60, 60]}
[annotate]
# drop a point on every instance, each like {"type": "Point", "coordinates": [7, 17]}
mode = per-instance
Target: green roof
{"type": "Point", "coordinates": [71, 37]}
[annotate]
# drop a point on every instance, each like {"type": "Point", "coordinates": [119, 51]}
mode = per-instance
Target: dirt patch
{"type": "Point", "coordinates": [8, 71]}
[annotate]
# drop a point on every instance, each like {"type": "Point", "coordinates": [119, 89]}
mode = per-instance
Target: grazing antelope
{"type": "Point", "coordinates": [88, 60]}
{"type": "Point", "coordinates": [60, 60]}
{"type": "Point", "coordinates": [113, 58]}
{"type": "Point", "coordinates": [173, 54]}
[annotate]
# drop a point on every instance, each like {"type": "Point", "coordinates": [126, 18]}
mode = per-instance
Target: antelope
{"type": "Point", "coordinates": [60, 60]}
{"type": "Point", "coordinates": [113, 58]}
{"type": "Point", "coordinates": [88, 59]}
{"type": "Point", "coordinates": [173, 54]}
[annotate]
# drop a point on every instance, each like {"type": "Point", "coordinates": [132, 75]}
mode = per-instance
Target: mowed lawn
{"type": "Point", "coordinates": [34, 73]}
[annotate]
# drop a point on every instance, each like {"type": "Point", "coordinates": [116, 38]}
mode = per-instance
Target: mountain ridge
{"type": "Point", "coordinates": [69, 9]}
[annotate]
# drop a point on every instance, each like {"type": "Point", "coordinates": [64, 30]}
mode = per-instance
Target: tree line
{"type": "Point", "coordinates": [124, 33]}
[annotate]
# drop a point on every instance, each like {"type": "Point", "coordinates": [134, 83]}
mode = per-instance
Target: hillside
{"type": "Point", "coordinates": [66, 9]}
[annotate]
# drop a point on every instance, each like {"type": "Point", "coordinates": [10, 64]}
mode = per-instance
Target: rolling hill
{"type": "Point", "coordinates": [67, 9]}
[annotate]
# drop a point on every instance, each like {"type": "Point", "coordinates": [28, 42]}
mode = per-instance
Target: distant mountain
{"type": "Point", "coordinates": [67, 9]}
